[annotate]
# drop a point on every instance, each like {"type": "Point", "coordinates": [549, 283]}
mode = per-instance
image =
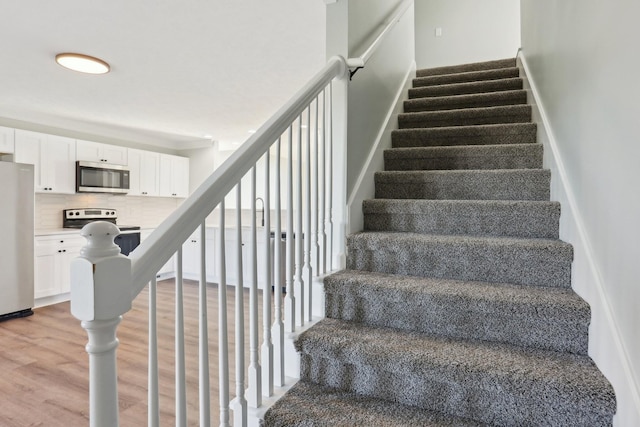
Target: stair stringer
{"type": "Point", "coordinates": [606, 346]}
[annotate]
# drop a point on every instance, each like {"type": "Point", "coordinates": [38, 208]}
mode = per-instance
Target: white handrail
{"type": "Point", "coordinates": [360, 61]}
{"type": "Point", "coordinates": [159, 247]}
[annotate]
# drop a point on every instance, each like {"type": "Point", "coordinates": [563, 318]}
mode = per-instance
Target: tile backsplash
{"type": "Point", "coordinates": [146, 212]}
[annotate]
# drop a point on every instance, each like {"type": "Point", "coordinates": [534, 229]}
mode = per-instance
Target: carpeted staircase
{"type": "Point", "coordinates": [456, 308]}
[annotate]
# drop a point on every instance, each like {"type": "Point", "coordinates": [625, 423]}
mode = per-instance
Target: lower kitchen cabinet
{"type": "Point", "coordinates": [53, 256]}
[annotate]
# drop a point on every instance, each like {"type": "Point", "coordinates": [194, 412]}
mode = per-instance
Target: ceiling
{"type": "Point", "coordinates": [182, 72]}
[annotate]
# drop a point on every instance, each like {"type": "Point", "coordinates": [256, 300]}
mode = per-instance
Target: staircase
{"type": "Point", "coordinates": [456, 307]}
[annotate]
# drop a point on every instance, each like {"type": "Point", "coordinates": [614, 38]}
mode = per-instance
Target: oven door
{"type": "Point", "coordinates": [94, 177]}
{"type": "Point", "coordinates": [128, 241]}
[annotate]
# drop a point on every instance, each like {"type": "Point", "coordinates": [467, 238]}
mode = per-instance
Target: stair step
{"type": "Point", "coordinates": [476, 66]}
{"type": "Point", "coordinates": [466, 77]}
{"type": "Point", "coordinates": [455, 102]}
{"type": "Point", "coordinates": [529, 316]}
{"type": "Point", "coordinates": [504, 184]}
{"type": "Point", "coordinates": [515, 133]}
{"type": "Point", "coordinates": [466, 88]}
{"type": "Point", "coordinates": [308, 404]}
{"type": "Point", "coordinates": [536, 262]}
{"type": "Point", "coordinates": [492, 383]}
{"type": "Point", "coordinates": [466, 117]}
{"type": "Point", "coordinates": [511, 156]}
{"type": "Point", "coordinates": [529, 219]}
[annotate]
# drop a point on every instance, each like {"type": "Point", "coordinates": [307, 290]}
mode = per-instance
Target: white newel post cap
{"type": "Point", "coordinates": [101, 276]}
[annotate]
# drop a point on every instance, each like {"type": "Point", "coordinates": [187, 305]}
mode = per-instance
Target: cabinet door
{"type": "Point", "coordinates": [191, 259]}
{"type": "Point", "coordinates": [97, 152]}
{"type": "Point", "coordinates": [27, 150]}
{"type": "Point", "coordinates": [89, 151]}
{"type": "Point", "coordinates": [174, 176]}
{"type": "Point", "coordinates": [53, 158]}
{"type": "Point", "coordinates": [114, 154]}
{"type": "Point", "coordinates": [164, 175]}
{"type": "Point", "coordinates": [58, 164]}
{"type": "Point", "coordinates": [68, 249]}
{"type": "Point", "coordinates": [180, 175]}
{"type": "Point", "coordinates": [135, 157]}
{"type": "Point", "coordinates": [6, 140]}
{"type": "Point", "coordinates": [149, 169]}
{"type": "Point", "coordinates": [45, 283]}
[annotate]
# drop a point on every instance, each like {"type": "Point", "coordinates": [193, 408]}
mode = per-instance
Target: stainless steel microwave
{"type": "Point", "coordinates": [92, 177]}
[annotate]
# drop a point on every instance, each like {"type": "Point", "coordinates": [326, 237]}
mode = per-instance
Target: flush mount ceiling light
{"type": "Point", "coordinates": [82, 63]}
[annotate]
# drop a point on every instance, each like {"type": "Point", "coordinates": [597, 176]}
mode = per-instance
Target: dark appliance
{"type": "Point", "coordinates": [78, 218]}
{"type": "Point", "coordinates": [92, 177]}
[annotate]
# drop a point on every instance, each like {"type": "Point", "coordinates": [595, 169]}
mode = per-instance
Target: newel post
{"type": "Point", "coordinates": [100, 295]}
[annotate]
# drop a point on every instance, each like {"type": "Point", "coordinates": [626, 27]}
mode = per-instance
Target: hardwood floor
{"type": "Point", "coordinates": [45, 368]}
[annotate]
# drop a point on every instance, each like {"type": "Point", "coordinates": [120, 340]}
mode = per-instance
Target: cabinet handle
{"type": "Point", "coordinates": [59, 251]}
{"type": "Point", "coordinates": [61, 241]}
{"type": "Point", "coordinates": [64, 250]}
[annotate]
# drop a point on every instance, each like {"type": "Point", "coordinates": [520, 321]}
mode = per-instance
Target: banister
{"type": "Point", "coordinates": [356, 63]}
{"type": "Point", "coordinates": [165, 240]}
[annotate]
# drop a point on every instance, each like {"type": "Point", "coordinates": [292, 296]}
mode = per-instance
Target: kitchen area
{"type": "Point", "coordinates": [76, 181]}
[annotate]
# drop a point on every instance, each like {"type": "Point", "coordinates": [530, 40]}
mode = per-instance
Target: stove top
{"type": "Point", "coordinates": [78, 218]}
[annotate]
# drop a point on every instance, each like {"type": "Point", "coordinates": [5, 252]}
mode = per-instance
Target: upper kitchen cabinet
{"type": "Point", "coordinates": [174, 176]}
{"type": "Point", "coordinates": [144, 172]}
{"type": "Point", "coordinates": [54, 158]}
{"type": "Point", "coordinates": [101, 153]}
{"type": "Point", "coordinates": [6, 140]}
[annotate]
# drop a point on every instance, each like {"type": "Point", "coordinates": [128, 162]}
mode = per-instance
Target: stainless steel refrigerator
{"type": "Point", "coordinates": [16, 240]}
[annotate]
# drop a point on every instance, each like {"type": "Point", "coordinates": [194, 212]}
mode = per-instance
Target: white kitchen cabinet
{"type": "Point", "coordinates": [174, 176]}
{"type": "Point", "coordinates": [53, 157]}
{"type": "Point", "coordinates": [144, 171]}
{"type": "Point", "coordinates": [192, 259]}
{"type": "Point", "coordinates": [53, 256]}
{"type": "Point", "coordinates": [7, 136]}
{"type": "Point", "coordinates": [101, 153]}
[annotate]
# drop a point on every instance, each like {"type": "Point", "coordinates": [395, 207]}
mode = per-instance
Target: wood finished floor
{"type": "Point", "coordinates": [45, 368]}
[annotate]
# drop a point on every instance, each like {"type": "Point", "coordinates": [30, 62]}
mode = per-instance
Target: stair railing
{"type": "Point", "coordinates": [308, 133]}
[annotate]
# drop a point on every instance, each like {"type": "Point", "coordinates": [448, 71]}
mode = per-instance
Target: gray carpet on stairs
{"type": "Point", "coordinates": [471, 217]}
{"type": "Point", "coordinates": [492, 383]}
{"type": "Point", "coordinates": [503, 184]}
{"type": "Point", "coordinates": [516, 133]}
{"type": "Point", "coordinates": [456, 308]}
{"type": "Point", "coordinates": [504, 156]}
{"type": "Point", "coordinates": [466, 88]}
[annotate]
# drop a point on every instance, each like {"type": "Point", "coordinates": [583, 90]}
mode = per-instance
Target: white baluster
{"type": "Point", "coordinates": [307, 233]}
{"type": "Point", "coordinates": [323, 190]}
{"type": "Point", "coordinates": [330, 180]}
{"type": "Point", "coordinates": [315, 230]}
{"type": "Point", "coordinates": [278, 327]}
{"type": "Point", "coordinates": [267, 345]}
{"type": "Point", "coordinates": [223, 341]}
{"type": "Point", "coordinates": [278, 373]}
{"type": "Point", "coordinates": [181, 393]}
{"type": "Point", "coordinates": [203, 332]}
{"type": "Point", "coordinates": [290, 314]}
{"type": "Point", "coordinates": [254, 392]}
{"type": "Point", "coordinates": [239, 403]}
{"type": "Point", "coordinates": [153, 414]}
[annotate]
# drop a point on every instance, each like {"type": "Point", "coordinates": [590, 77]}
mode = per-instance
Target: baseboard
{"type": "Point", "coordinates": [606, 346]}
{"type": "Point", "coordinates": [365, 186]}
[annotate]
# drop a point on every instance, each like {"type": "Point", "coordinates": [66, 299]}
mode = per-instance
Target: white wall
{"type": "Point", "coordinates": [472, 31]}
{"type": "Point", "coordinates": [581, 57]}
{"type": "Point", "coordinates": [372, 92]}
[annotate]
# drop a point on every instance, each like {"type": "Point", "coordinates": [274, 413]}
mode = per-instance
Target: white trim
{"type": "Point", "coordinates": [364, 187]}
{"type": "Point", "coordinates": [620, 372]}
